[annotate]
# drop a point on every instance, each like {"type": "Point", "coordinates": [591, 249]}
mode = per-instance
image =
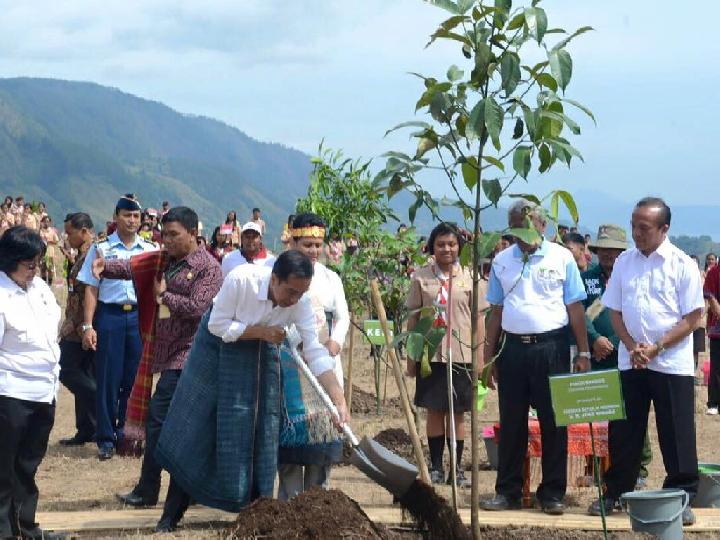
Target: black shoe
{"type": "Point", "coordinates": [500, 502]}
{"type": "Point", "coordinates": [36, 533]}
{"type": "Point", "coordinates": [462, 482]}
{"type": "Point", "coordinates": [437, 476]}
{"type": "Point", "coordinates": [165, 525]}
{"type": "Point", "coordinates": [553, 507]}
{"type": "Point", "coordinates": [76, 440]}
{"type": "Point", "coordinates": [610, 506]}
{"type": "Point", "coordinates": [136, 500]}
{"type": "Point", "coordinates": [688, 516]}
{"type": "Point", "coordinates": [105, 452]}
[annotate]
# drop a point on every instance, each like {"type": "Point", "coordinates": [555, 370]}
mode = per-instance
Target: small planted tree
{"type": "Point", "coordinates": [499, 113]}
{"type": "Point", "coordinates": [342, 192]}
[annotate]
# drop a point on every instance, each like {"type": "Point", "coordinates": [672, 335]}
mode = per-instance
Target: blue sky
{"type": "Point", "coordinates": [297, 72]}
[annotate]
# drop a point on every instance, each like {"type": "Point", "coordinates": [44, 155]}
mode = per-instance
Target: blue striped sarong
{"type": "Point", "coordinates": [220, 438]}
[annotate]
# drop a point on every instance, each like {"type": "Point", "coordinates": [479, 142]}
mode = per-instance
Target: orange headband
{"type": "Point", "coordinates": [313, 232]}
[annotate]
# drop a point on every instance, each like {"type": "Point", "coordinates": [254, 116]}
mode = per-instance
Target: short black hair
{"type": "Point", "coordinates": [508, 238]}
{"type": "Point", "coordinates": [443, 229]}
{"type": "Point", "coordinates": [19, 244]}
{"type": "Point", "coordinates": [290, 220]}
{"type": "Point", "coordinates": [256, 209]}
{"type": "Point", "coordinates": [184, 216]}
{"type": "Point", "coordinates": [293, 263]}
{"type": "Point", "coordinates": [657, 202]}
{"type": "Point", "coordinates": [80, 220]}
{"type": "Point", "coordinates": [307, 219]}
{"type": "Point", "coordinates": [574, 238]}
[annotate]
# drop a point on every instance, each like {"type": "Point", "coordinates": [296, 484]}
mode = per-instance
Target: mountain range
{"type": "Point", "coordinates": [79, 146]}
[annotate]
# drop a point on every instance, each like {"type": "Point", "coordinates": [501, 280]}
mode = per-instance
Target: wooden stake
{"type": "Point", "coordinates": [349, 375]}
{"type": "Point", "coordinates": [397, 372]}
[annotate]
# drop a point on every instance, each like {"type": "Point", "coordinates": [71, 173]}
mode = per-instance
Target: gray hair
{"type": "Point", "coordinates": [523, 206]}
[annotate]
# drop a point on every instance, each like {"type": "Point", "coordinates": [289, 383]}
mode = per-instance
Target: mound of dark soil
{"type": "Point", "coordinates": [432, 511]}
{"type": "Point", "coordinates": [397, 441]}
{"type": "Point", "coordinates": [314, 514]}
{"type": "Point", "coordinates": [365, 403]}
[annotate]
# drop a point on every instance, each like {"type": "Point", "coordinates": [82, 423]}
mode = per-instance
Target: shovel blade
{"type": "Point", "coordinates": [384, 467]}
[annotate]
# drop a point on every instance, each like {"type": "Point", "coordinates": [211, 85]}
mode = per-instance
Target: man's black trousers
{"type": "Point", "coordinates": [523, 370]}
{"type": "Point", "coordinates": [673, 397]}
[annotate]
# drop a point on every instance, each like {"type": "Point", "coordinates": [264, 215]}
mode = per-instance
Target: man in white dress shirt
{"type": "Point", "coordinates": [656, 302]}
{"type": "Point", "coordinates": [251, 250]}
{"type": "Point", "coordinates": [221, 435]}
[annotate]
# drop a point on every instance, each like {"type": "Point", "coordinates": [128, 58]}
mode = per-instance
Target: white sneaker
{"type": "Point", "coordinates": [712, 411]}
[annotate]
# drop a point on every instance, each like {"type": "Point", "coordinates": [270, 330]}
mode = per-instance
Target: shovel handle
{"type": "Point", "coordinates": [305, 369]}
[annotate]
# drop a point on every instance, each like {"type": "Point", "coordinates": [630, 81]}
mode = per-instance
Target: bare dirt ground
{"type": "Point", "coordinates": [72, 479]}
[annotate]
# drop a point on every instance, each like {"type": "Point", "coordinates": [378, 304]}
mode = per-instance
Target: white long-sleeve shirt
{"type": "Point", "coordinates": [328, 287]}
{"type": "Point", "coordinates": [243, 301]}
{"type": "Point", "coordinates": [29, 352]}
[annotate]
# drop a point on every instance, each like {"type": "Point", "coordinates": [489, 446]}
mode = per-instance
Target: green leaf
{"type": "Point", "coordinates": [414, 123]}
{"type": "Point", "coordinates": [536, 21]}
{"type": "Point", "coordinates": [415, 346]}
{"type": "Point", "coordinates": [454, 73]}
{"type": "Point", "coordinates": [569, 203]}
{"type": "Point", "coordinates": [466, 255]}
{"type": "Point", "coordinates": [464, 5]}
{"type": "Point", "coordinates": [510, 72]}
{"type": "Point", "coordinates": [494, 116]}
{"type": "Point", "coordinates": [487, 243]}
{"type": "Point", "coordinates": [527, 196]}
{"type": "Point", "coordinates": [545, 157]}
{"type": "Point", "coordinates": [425, 144]}
{"type": "Point", "coordinates": [518, 129]}
{"type": "Point", "coordinates": [569, 122]}
{"type": "Point", "coordinates": [502, 10]}
{"type": "Point", "coordinates": [580, 106]}
{"type": "Point", "coordinates": [553, 214]}
{"type": "Point", "coordinates": [529, 236]}
{"type": "Point", "coordinates": [576, 33]}
{"type": "Point", "coordinates": [434, 339]}
{"type": "Point", "coordinates": [529, 120]}
{"type": "Point", "coordinates": [521, 160]}
{"type": "Point", "coordinates": [476, 123]}
{"type": "Point", "coordinates": [492, 190]}
{"type": "Point", "coordinates": [470, 172]}
{"type": "Point", "coordinates": [415, 206]}
{"type": "Point", "coordinates": [447, 5]}
{"type": "Point", "coordinates": [560, 66]}
{"type": "Point", "coordinates": [516, 22]}
{"type": "Point", "coordinates": [494, 161]}
{"type": "Point", "coordinates": [483, 55]}
{"type": "Point", "coordinates": [566, 148]}
{"type": "Point", "coordinates": [547, 80]}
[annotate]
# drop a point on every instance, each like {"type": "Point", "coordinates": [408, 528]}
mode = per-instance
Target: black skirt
{"type": "Point", "coordinates": [431, 392]}
{"type": "Point", "coordinates": [698, 340]}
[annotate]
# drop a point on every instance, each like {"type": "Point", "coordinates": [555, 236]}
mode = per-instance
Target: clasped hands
{"type": "Point", "coordinates": [642, 354]}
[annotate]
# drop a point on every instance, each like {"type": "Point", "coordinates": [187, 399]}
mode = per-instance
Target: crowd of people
{"type": "Point", "coordinates": [149, 296]}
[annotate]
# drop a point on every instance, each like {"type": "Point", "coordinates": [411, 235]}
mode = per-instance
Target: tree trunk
{"type": "Point", "coordinates": [349, 374]}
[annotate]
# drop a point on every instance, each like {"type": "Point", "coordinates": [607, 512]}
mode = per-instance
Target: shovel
{"type": "Point", "coordinates": [380, 464]}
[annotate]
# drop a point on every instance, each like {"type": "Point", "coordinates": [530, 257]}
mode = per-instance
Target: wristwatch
{"type": "Point", "coordinates": [85, 327]}
{"type": "Point", "coordinates": [584, 355]}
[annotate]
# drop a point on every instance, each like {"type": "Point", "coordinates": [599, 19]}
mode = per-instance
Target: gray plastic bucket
{"type": "Point", "coordinates": [492, 452]}
{"type": "Point", "coordinates": [708, 495]}
{"type": "Point", "coordinates": [657, 512]}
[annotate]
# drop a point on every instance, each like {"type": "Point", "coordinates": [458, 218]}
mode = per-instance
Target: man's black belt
{"type": "Point", "coordinates": [527, 339]}
{"type": "Point", "coordinates": [125, 308]}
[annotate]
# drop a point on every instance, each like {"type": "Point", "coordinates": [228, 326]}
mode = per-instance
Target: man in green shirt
{"type": "Point", "coordinates": [610, 242]}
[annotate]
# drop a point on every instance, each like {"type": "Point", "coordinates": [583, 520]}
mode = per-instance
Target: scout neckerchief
{"type": "Point", "coordinates": [441, 301]}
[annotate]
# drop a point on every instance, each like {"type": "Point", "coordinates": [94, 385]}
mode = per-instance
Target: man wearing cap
{"type": "Point", "coordinates": [610, 242]}
{"type": "Point", "coordinates": [535, 291]}
{"type": "Point", "coordinates": [110, 325]}
{"type": "Point", "coordinates": [252, 250]}
{"type": "Point", "coordinates": [655, 300]}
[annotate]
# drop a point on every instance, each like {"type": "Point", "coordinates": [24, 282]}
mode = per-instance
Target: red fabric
{"type": "Point", "coordinates": [711, 288]}
{"type": "Point", "coordinates": [146, 269]}
{"type": "Point", "coordinates": [579, 442]}
{"type": "Point", "coordinates": [262, 254]}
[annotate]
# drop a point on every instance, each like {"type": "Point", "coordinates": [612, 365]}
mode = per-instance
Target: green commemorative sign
{"type": "Point", "coordinates": [374, 333]}
{"type": "Point", "coordinates": [593, 396]}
